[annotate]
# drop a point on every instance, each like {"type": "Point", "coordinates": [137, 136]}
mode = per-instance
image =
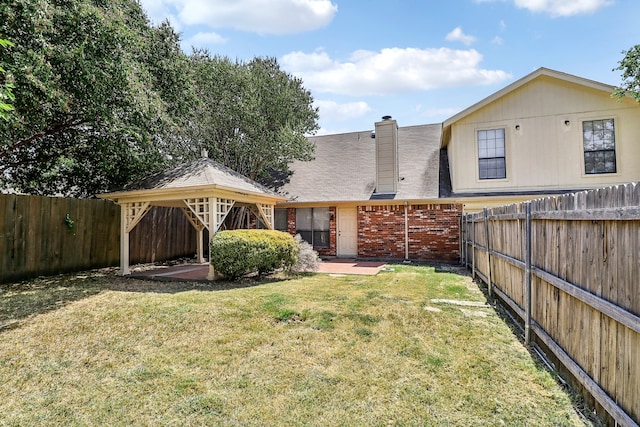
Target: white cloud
{"type": "Point", "coordinates": [497, 40]}
{"type": "Point", "coordinates": [331, 110]}
{"type": "Point", "coordinates": [259, 16]}
{"type": "Point", "coordinates": [204, 40]}
{"type": "Point", "coordinates": [563, 7]}
{"type": "Point", "coordinates": [391, 71]}
{"type": "Point", "coordinates": [457, 35]}
{"type": "Point", "coordinates": [557, 8]}
{"type": "Point", "coordinates": [158, 11]}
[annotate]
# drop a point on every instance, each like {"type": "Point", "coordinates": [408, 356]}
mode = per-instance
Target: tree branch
{"type": "Point", "coordinates": [48, 132]}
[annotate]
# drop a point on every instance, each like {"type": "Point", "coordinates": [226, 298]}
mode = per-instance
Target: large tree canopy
{"type": "Point", "coordinates": [102, 97]}
{"type": "Point", "coordinates": [252, 116]}
{"type": "Point", "coordinates": [6, 88]}
{"type": "Point", "coordinates": [96, 88]}
{"type": "Point", "coordinates": [630, 67]}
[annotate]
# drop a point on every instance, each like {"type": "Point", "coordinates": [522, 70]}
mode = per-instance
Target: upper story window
{"type": "Point", "coordinates": [599, 141]}
{"type": "Point", "coordinates": [491, 154]}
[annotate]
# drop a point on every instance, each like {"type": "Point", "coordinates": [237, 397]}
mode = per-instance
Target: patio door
{"type": "Point", "coordinates": [347, 226]}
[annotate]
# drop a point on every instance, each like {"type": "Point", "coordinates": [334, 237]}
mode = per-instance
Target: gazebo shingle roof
{"type": "Point", "coordinates": [200, 172]}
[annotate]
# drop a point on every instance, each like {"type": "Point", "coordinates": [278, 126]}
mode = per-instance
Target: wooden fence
{"type": "Point", "coordinates": [51, 235]}
{"type": "Point", "coordinates": [163, 234]}
{"type": "Point", "coordinates": [569, 266]}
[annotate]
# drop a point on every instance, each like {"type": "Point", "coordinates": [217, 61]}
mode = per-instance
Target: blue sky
{"type": "Point", "coordinates": [420, 61]}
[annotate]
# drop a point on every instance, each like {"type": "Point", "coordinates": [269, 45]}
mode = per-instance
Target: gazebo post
{"type": "Point", "coordinates": [124, 242]}
{"type": "Point", "coordinates": [200, 246]}
{"type": "Point", "coordinates": [213, 227]}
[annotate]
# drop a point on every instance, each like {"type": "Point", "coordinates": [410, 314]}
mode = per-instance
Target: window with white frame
{"type": "Point", "coordinates": [313, 226]}
{"type": "Point", "coordinates": [491, 154]}
{"type": "Point", "coordinates": [599, 142]}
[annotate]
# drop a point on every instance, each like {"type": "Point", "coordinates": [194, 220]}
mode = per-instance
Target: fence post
{"type": "Point", "coordinates": [473, 249]}
{"type": "Point", "coordinates": [488, 246]}
{"type": "Point", "coordinates": [462, 239]}
{"type": "Point", "coordinates": [466, 240]}
{"type": "Point", "coordinates": [527, 275]}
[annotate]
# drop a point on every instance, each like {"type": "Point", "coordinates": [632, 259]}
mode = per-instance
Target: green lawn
{"type": "Point", "coordinates": [316, 350]}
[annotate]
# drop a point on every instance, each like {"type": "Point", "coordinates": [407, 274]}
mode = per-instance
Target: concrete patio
{"type": "Point", "coordinates": [198, 272]}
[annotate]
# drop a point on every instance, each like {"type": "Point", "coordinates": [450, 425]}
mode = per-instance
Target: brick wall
{"type": "Point", "coordinates": [381, 231]}
{"type": "Point", "coordinates": [291, 221]}
{"type": "Point", "coordinates": [332, 249]}
{"type": "Point", "coordinates": [434, 231]}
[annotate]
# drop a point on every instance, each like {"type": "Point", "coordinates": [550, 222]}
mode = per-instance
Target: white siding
{"type": "Point", "coordinates": [544, 153]}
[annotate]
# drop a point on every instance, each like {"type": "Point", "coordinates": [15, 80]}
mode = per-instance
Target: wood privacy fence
{"type": "Point", "coordinates": [51, 235]}
{"type": "Point", "coordinates": [163, 234]}
{"type": "Point", "coordinates": [569, 266]}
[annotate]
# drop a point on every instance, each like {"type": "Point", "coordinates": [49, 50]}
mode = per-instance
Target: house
{"type": "Point", "coordinates": [398, 192]}
{"type": "Point", "coordinates": [545, 134]}
{"type": "Point", "coordinates": [373, 195]}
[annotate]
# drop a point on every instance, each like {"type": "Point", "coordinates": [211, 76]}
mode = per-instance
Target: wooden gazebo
{"type": "Point", "coordinates": [205, 191]}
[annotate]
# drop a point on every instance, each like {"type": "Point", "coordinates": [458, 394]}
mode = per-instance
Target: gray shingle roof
{"type": "Point", "coordinates": [200, 172]}
{"type": "Point", "coordinates": [344, 168]}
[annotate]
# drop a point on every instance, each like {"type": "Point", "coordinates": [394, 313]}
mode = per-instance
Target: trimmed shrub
{"type": "Point", "coordinates": [235, 253]}
{"type": "Point", "coordinates": [307, 259]}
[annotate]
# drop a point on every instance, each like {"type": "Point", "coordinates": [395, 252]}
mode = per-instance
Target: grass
{"type": "Point", "coordinates": [316, 350]}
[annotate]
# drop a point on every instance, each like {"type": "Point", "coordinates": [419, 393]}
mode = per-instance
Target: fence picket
{"type": "Point", "coordinates": [527, 277]}
{"type": "Point", "coordinates": [35, 239]}
{"type": "Point", "coordinates": [6, 236]}
{"type": "Point", "coordinates": [582, 252]}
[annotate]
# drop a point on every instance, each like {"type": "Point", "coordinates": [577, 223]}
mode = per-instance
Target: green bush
{"type": "Point", "coordinates": [235, 253]}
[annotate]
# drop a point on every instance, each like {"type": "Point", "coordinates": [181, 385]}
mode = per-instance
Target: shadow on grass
{"type": "Point", "coordinates": [542, 357]}
{"type": "Point", "coordinates": [172, 286]}
{"type": "Point", "coordinates": [22, 300]}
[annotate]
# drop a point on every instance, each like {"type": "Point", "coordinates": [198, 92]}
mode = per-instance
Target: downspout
{"type": "Point", "coordinates": [406, 231]}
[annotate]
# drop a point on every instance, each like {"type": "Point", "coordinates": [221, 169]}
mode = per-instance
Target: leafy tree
{"type": "Point", "coordinates": [6, 93]}
{"type": "Point", "coordinates": [630, 67]}
{"type": "Point", "coordinates": [252, 116]}
{"type": "Point", "coordinates": [98, 94]}
{"type": "Point", "coordinates": [103, 98]}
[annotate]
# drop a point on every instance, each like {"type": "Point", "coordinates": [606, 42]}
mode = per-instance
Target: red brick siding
{"type": "Point", "coordinates": [331, 250]}
{"type": "Point", "coordinates": [381, 231]}
{"type": "Point", "coordinates": [291, 220]}
{"type": "Point", "coordinates": [433, 232]}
